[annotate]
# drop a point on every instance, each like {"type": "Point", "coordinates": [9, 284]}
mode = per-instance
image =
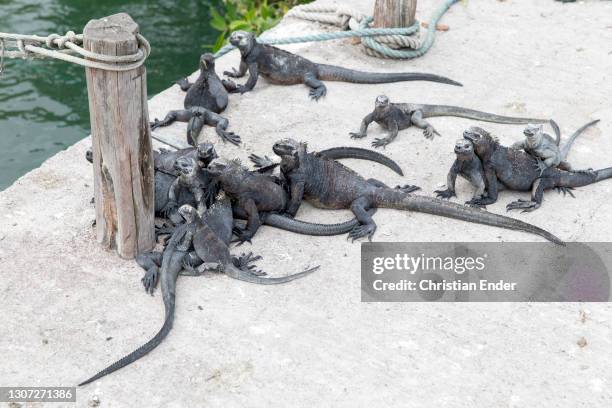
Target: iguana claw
{"type": "Point", "coordinates": [525, 205]}
{"type": "Point", "coordinates": [565, 190]}
{"type": "Point", "coordinates": [407, 188]}
{"type": "Point", "coordinates": [150, 280]}
{"type": "Point", "coordinates": [381, 142]}
{"type": "Point", "coordinates": [430, 132]}
{"type": "Point", "coordinates": [446, 194]}
{"type": "Point", "coordinates": [357, 135]}
{"type": "Point", "coordinates": [230, 137]}
{"type": "Point", "coordinates": [361, 231]}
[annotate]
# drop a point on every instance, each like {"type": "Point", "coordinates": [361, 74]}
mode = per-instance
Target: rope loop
{"type": "Point", "coordinates": [68, 48]}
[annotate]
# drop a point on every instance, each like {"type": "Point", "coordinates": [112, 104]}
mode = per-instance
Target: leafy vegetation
{"type": "Point", "coordinates": [249, 15]}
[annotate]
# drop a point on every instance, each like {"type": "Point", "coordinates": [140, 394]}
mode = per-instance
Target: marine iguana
{"type": "Point", "coordinates": [515, 170]}
{"type": "Point", "coordinates": [545, 149]}
{"type": "Point", "coordinates": [335, 153]}
{"type": "Point", "coordinates": [468, 166]}
{"type": "Point", "coordinates": [210, 239]}
{"type": "Point", "coordinates": [204, 101]}
{"type": "Point", "coordinates": [205, 153]}
{"type": "Point", "coordinates": [329, 184]}
{"type": "Point", "coordinates": [284, 68]}
{"type": "Point", "coordinates": [399, 116]}
{"type": "Point", "coordinates": [251, 193]}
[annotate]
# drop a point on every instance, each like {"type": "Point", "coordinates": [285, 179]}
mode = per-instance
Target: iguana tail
{"type": "Point", "coordinates": [333, 73]}
{"type": "Point", "coordinates": [336, 153]}
{"type": "Point", "coordinates": [246, 276]}
{"type": "Point", "coordinates": [579, 178]}
{"type": "Point", "coordinates": [145, 348]}
{"type": "Point", "coordinates": [168, 288]}
{"type": "Point", "coordinates": [568, 145]}
{"type": "Point", "coordinates": [388, 198]}
{"type": "Point", "coordinates": [456, 111]}
{"type": "Point", "coordinates": [309, 228]}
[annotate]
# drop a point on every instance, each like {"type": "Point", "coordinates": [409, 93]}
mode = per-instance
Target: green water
{"type": "Point", "coordinates": [43, 103]}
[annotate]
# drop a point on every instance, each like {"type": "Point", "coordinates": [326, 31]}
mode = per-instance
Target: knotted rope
{"type": "Point", "coordinates": [398, 43]}
{"type": "Point", "coordinates": [68, 48]}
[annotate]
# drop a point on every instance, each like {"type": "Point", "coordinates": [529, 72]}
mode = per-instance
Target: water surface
{"type": "Point", "coordinates": [43, 103]}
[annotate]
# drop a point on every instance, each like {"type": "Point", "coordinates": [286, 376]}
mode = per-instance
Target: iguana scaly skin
{"type": "Point", "coordinates": [204, 101]}
{"type": "Point", "coordinates": [210, 238]}
{"type": "Point", "coordinates": [166, 176]}
{"type": "Point", "coordinates": [468, 166]}
{"type": "Point", "coordinates": [329, 184]}
{"type": "Point", "coordinates": [546, 150]}
{"type": "Point", "coordinates": [515, 170]}
{"type": "Point", "coordinates": [399, 116]}
{"type": "Point", "coordinates": [284, 68]}
{"type": "Point", "coordinates": [251, 193]}
{"type": "Point", "coordinates": [172, 265]}
{"type": "Point", "coordinates": [335, 153]}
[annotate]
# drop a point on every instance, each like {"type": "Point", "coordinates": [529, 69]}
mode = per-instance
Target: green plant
{"type": "Point", "coordinates": [249, 15]}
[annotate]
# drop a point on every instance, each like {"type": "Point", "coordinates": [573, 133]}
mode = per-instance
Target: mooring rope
{"type": "Point", "coordinates": [68, 48]}
{"type": "Point", "coordinates": [398, 43]}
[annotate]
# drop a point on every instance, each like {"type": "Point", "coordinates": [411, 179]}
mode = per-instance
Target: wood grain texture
{"type": "Point", "coordinates": [394, 13]}
{"type": "Point", "coordinates": [121, 141]}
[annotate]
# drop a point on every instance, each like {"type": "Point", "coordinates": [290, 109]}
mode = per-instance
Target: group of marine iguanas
{"type": "Point", "coordinates": [203, 203]}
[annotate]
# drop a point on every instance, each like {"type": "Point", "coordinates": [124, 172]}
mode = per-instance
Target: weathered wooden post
{"type": "Point", "coordinates": [394, 13]}
{"type": "Point", "coordinates": [121, 141]}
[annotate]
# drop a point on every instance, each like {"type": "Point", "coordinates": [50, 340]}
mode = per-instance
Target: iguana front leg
{"type": "Point", "coordinates": [252, 81]}
{"type": "Point", "coordinates": [297, 194]}
{"type": "Point", "coordinates": [492, 190]}
{"type": "Point", "coordinates": [384, 141]}
{"type": "Point", "coordinates": [363, 130]}
{"type": "Point", "coordinates": [254, 222]}
{"type": "Point", "coordinates": [241, 72]}
{"type": "Point", "coordinates": [173, 194]}
{"type": "Point", "coordinates": [451, 180]}
{"type": "Point", "coordinates": [417, 120]}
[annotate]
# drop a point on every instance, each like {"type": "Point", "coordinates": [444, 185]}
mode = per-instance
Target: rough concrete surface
{"type": "Point", "coordinates": [69, 308]}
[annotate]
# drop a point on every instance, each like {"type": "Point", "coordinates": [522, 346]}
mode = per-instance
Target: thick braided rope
{"type": "Point", "coordinates": [68, 48]}
{"type": "Point", "coordinates": [397, 43]}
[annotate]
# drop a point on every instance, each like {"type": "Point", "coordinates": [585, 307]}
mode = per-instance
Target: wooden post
{"type": "Point", "coordinates": [121, 141]}
{"type": "Point", "coordinates": [394, 13]}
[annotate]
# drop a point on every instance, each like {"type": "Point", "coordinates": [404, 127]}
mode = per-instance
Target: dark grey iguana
{"type": "Point", "coordinates": [515, 170]}
{"type": "Point", "coordinates": [469, 166]}
{"type": "Point", "coordinates": [399, 116]}
{"type": "Point", "coordinates": [209, 238]}
{"type": "Point", "coordinates": [201, 182]}
{"type": "Point", "coordinates": [329, 184]}
{"type": "Point", "coordinates": [284, 68]}
{"type": "Point", "coordinates": [335, 153]}
{"type": "Point", "coordinates": [204, 101]}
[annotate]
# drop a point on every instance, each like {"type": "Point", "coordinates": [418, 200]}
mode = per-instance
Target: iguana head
{"type": "Point", "coordinates": [188, 213]}
{"type": "Point", "coordinates": [207, 152]}
{"type": "Point", "coordinates": [207, 62]}
{"type": "Point", "coordinates": [286, 147]}
{"type": "Point", "coordinates": [533, 133]}
{"type": "Point", "coordinates": [464, 149]}
{"type": "Point", "coordinates": [382, 102]}
{"type": "Point", "coordinates": [243, 40]}
{"type": "Point", "coordinates": [185, 166]}
{"type": "Point", "coordinates": [226, 168]}
{"type": "Point", "coordinates": [481, 139]}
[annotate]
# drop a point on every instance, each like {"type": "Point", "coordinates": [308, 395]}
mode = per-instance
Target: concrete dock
{"type": "Point", "coordinates": [70, 308]}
